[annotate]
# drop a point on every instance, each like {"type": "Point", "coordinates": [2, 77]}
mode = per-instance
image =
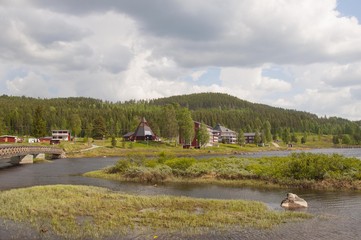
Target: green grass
{"type": "Point", "coordinates": [300, 170]}
{"type": "Point", "coordinates": [83, 212]}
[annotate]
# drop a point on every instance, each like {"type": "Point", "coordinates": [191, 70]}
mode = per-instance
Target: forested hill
{"type": "Point", "coordinates": [24, 115]}
{"type": "Point", "coordinates": [227, 109]}
{"type": "Point", "coordinates": [221, 101]}
{"type": "Point", "coordinates": [235, 113]}
{"type": "Point", "coordinates": [205, 101]}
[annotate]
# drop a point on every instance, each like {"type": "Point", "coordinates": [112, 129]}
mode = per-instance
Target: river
{"type": "Point", "coordinates": [337, 213]}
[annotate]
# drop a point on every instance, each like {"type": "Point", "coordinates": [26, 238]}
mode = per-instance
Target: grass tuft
{"type": "Point", "coordinates": [79, 212]}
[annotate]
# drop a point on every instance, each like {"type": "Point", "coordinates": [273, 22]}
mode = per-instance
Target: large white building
{"type": "Point", "coordinates": [225, 135]}
{"type": "Point", "coordinates": [60, 135]}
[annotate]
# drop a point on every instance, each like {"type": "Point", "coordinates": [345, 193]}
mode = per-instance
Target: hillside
{"type": "Point", "coordinates": [18, 115]}
{"type": "Point", "coordinates": [236, 113]}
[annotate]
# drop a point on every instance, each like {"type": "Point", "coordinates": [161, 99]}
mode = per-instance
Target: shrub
{"type": "Point", "coordinates": [163, 156]}
{"type": "Point", "coordinates": [199, 169]}
{"type": "Point", "coordinates": [120, 167]}
{"type": "Point", "coordinates": [135, 158]}
{"type": "Point", "coordinates": [180, 163]}
{"type": "Point", "coordinates": [144, 174]}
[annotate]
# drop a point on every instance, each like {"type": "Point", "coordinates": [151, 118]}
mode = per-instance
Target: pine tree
{"type": "Point", "coordinates": [75, 124]}
{"type": "Point", "coordinates": [240, 137]}
{"type": "Point", "coordinates": [267, 132]}
{"type": "Point", "coordinates": [170, 126]}
{"type": "Point", "coordinates": [39, 124]}
{"type": "Point", "coordinates": [99, 128]}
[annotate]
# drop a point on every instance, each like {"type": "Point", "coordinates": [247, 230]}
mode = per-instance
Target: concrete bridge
{"type": "Point", "coordinates": [26, 154]}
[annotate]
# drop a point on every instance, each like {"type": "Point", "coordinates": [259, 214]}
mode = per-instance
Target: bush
{"type": "Point", "coordinates": [144, 174]}
{"type": "Point", "coordinates": [199, 169]}
{"type": "Point", "coordinates": [163, 156]}
{"type": "Point", "coordinates": [120, 167]}
{"type": "Point", "coordinates": [180, 163]}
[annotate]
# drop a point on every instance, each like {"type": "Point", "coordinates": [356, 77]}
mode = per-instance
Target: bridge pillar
{"type": "Point", "coordinates": [39, 156]}
{"type": "Point", "coordinates": [22, 159]}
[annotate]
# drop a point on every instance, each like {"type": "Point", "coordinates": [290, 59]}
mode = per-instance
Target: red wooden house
{"type": "Point", "coordinates": [8, 139]}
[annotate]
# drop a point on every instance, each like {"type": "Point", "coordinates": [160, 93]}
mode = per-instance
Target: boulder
{"type": "Point", "coordinates": [293, 201]}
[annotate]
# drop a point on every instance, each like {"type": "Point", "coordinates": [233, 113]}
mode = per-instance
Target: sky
{"type": "Point", "coordinates": [303, 55]}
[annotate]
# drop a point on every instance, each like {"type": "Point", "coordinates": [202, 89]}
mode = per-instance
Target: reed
{"type": "Point", "coordinates": [299, 170]}
{"type": "Point", "coordinates": [83, 212]}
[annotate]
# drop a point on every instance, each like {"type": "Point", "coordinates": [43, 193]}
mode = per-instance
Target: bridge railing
{"type": "Point", "coordinates": [7, 151]}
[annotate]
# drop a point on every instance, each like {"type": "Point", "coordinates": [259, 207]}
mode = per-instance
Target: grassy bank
{"type": "Point", "coordinates": [299, 170]}
{"type": "Point", "coordinates": [82, 148]}
{"type": "Point", "coordinates": [78, 212]}
{"type": "Point", "coordinates": [104, 148]}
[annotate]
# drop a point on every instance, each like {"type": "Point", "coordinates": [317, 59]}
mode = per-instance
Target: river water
{"type": "Point", "coordinates": [337, 213]}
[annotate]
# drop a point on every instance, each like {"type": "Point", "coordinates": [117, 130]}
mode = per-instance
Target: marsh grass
{"type": "Point", "coordinates": [78, 212]}
{"type": "Point", "coordinates": [299, 170]}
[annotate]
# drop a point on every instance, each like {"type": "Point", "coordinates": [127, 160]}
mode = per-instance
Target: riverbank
{"type": "Point", "coordinates": [100, 148]}
{"type": "Point", "coordinates": [299, 170]}
{"type": "Point", "coordinates": [83, 212]}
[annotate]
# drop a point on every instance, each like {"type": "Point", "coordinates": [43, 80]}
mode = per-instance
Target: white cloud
{"type": "Point", "coordinates": [250, 84]}
{"type": "Point", "coordinates": [117, 50]}
{"type": "Point", "coordinates": [197, 74]}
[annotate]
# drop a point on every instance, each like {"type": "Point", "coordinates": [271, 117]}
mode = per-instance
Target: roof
{"type": "Point", "coordinates": [223, 129]}
{"type": "Point", "coordinates": [249, 134]}
{"type": "Point", "coordinates": [143, 129]}
{"type": "Point", "coordinates": [129, 134]}
{"type": "Point", "coordinates": [3, 136]}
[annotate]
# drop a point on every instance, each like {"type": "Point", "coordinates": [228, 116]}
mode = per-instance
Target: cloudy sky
{"type": "Point", "coordinates": [303, 55]}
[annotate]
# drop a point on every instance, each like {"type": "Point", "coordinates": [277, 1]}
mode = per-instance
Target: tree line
{"type": "Point", "coordinates": [88, 117]}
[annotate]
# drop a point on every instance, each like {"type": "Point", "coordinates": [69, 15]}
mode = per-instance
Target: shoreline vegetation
{"type": "Point", "coordinates": [85, 212]}
{"type": "Point", "coordinates": [87, 147]}
{"type": "Point", "coordinates": [298, 170]}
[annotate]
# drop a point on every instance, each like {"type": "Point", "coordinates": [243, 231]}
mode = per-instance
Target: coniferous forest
{"type": "Point", "coordinates": [88, 117]}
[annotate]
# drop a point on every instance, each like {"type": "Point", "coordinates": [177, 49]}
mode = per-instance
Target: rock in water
{"type": "Point", "coordinates": [293, 201]}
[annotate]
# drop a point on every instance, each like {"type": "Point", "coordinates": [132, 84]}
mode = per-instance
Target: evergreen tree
{"type": "Point", "coordinates": [257, 137]}
{"type": "Point", "coordinates": [99, 128]}
{"type": "Point", "coordinates": [294, 138]}
{"type": "Point", "coordinates": [75, 124]}
{"type": "Point", "coordinates": [240, 137]}
{"type": "Point", "coordinates": [114, 142]}
{"type": "Point", "coordinates": [267, 132]}
{"type": "Point", "coordinates": [170, 126]}
{"type": "Point", "coordinates": [286, 136]}
{"type": "Point", "coordinates": [89, 130]}
{"type": "Point", "coordinates": [39, 125]}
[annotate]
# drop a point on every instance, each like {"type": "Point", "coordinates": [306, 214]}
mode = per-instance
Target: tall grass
{"type": "Point", "coordinates": [83, 212]}
{"type": "Point", "coordinates": [298, 169]}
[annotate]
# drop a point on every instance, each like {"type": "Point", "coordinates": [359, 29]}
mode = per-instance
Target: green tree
{"type": "Point", "coordinates": [286, 135]}
{"type": "Point", "coordinates": [114, 142]}
{"type": "Point", "coordinates": [294, 138]}
{"type": "Point", "coordinates": [346, 139]}
{"type": "Point", "coordinates": [99, 128]}
{"type": "Point", "coordinates": [257, 137]}
{"type": "Point", "coordinates": [186, 125]}
{"type": "Point", "coordinates": [240, 137]}
{"type": "Point", "coordinates": [75, 124]}
{"type": "Point", "coordinates": [89, 130]}
{"type": "Point", "coordinates": [202, 135]}
{"type": "Point", "coordinates": [39, 124]}
{"type": "Point", "coordinates": [267, 131]}
{"type": "Point", "coordinates": [170, 124]}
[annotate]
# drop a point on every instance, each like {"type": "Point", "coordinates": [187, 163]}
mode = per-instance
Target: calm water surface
{"type": "Point", "coordinates": [338, 213]}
